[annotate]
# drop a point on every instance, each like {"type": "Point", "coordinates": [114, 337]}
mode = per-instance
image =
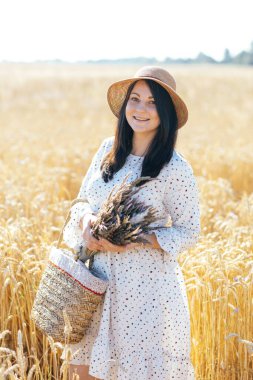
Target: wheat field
{"type": "Point", "coordinates": [52, 120]}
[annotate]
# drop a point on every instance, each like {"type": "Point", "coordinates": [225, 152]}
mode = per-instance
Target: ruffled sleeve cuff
{"type": "Point", "coordinates": [174, 240]}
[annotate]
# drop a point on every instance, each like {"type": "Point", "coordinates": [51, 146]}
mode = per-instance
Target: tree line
{"type": "Point", "coordinates": [243, 58]}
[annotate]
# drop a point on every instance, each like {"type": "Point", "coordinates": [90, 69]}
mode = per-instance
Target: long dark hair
{"type": "Point", "coordinates": [161, 147]}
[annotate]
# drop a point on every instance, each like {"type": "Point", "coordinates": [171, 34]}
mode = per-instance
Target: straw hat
{"type": "Point", "coordinates": [117, 91]}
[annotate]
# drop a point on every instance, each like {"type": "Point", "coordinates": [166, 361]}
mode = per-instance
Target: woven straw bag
{"type": "Point", "coordinates": [67, 286]}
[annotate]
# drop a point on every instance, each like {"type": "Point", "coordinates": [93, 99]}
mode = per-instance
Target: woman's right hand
{"type": "Point", "coordinates": [90, 241]}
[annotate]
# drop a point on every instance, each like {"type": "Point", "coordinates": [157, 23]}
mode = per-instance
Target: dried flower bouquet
{"type": "Point", "coordinates": [122, 219]}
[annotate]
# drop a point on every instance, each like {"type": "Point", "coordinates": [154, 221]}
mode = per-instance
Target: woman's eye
{"type": "Point", "coordinates": [135, 99]}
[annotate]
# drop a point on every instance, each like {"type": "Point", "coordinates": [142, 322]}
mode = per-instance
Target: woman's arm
{"type": "Point", "coordinates": [153, 242]}
{"type": "Point", "coordinates": [72, 233]}
{"type": "Point", "coordinates": [181, 201]}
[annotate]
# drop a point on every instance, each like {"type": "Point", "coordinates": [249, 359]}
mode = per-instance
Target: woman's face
{"type": "Point", "coordinates": [141, 112]}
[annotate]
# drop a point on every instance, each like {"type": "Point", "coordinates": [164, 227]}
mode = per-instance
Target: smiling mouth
{"type": "Point", "coordinates": [139, 119]}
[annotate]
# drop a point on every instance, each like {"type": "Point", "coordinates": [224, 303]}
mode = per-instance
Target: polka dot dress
{"type": "Point", "coordinates": [141, 330]}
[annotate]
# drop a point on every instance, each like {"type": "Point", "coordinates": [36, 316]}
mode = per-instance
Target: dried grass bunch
{"type": "Point", "coordinates": [122, 219]}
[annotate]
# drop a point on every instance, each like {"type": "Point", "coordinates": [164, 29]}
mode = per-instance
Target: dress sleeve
{"type": "Point", "coordinates": [72, 233]}
{"type": "Point", "coordinates": [181, 201]}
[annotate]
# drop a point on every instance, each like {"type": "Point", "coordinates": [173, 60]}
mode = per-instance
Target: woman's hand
{"type": "Point", "coordinates": [90, 241]}
{"type": "Point", "coordinates": [108, 246]}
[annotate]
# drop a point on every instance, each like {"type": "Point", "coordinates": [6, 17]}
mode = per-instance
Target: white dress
{"type": "Point", "coordinates": [142, 328]}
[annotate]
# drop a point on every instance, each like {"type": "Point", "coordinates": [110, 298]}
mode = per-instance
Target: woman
{"type": "Point", "coordinates": [142, 329]}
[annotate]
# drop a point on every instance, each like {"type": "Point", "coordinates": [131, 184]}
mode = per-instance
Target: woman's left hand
{"type": "Point", "coordinates": [108, 246]}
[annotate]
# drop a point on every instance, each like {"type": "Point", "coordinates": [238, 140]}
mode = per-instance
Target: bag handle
{"type": "Point", "coordinates": [68, 217]}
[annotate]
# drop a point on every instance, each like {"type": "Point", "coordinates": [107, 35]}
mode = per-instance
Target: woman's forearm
{"type": "Point", "coordinates": [152, 240]}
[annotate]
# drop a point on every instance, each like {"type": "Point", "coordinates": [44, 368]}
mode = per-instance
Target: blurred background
{"type": "Point", "coordinates": [57, 60]}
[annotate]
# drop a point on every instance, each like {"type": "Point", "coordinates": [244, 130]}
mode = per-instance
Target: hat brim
{"type": "Point", "coordinates": [117, 92]}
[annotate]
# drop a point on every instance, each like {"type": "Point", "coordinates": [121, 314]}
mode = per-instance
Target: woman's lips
{"type": "Point", "coordinates": [135, 118]}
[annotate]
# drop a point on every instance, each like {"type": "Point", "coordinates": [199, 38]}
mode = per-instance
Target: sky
{"type": "Point", "coordinates": [76, 30]}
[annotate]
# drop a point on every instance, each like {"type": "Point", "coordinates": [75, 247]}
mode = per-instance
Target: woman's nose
{"type": "Point", "coordinates": [141, 106]}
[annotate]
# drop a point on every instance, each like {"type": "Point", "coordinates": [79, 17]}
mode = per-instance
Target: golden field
{"type": "Point", "coordinates": [52, 120]}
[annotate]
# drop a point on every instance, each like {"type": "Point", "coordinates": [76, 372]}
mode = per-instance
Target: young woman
{"type": "Point", "coordinates": [142, 329]}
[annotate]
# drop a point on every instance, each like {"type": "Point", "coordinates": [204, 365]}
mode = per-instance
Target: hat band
{"type": "Point", "coordinates": [155, 78]}
{"type": "Point", "coordinates": [140, 76]}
